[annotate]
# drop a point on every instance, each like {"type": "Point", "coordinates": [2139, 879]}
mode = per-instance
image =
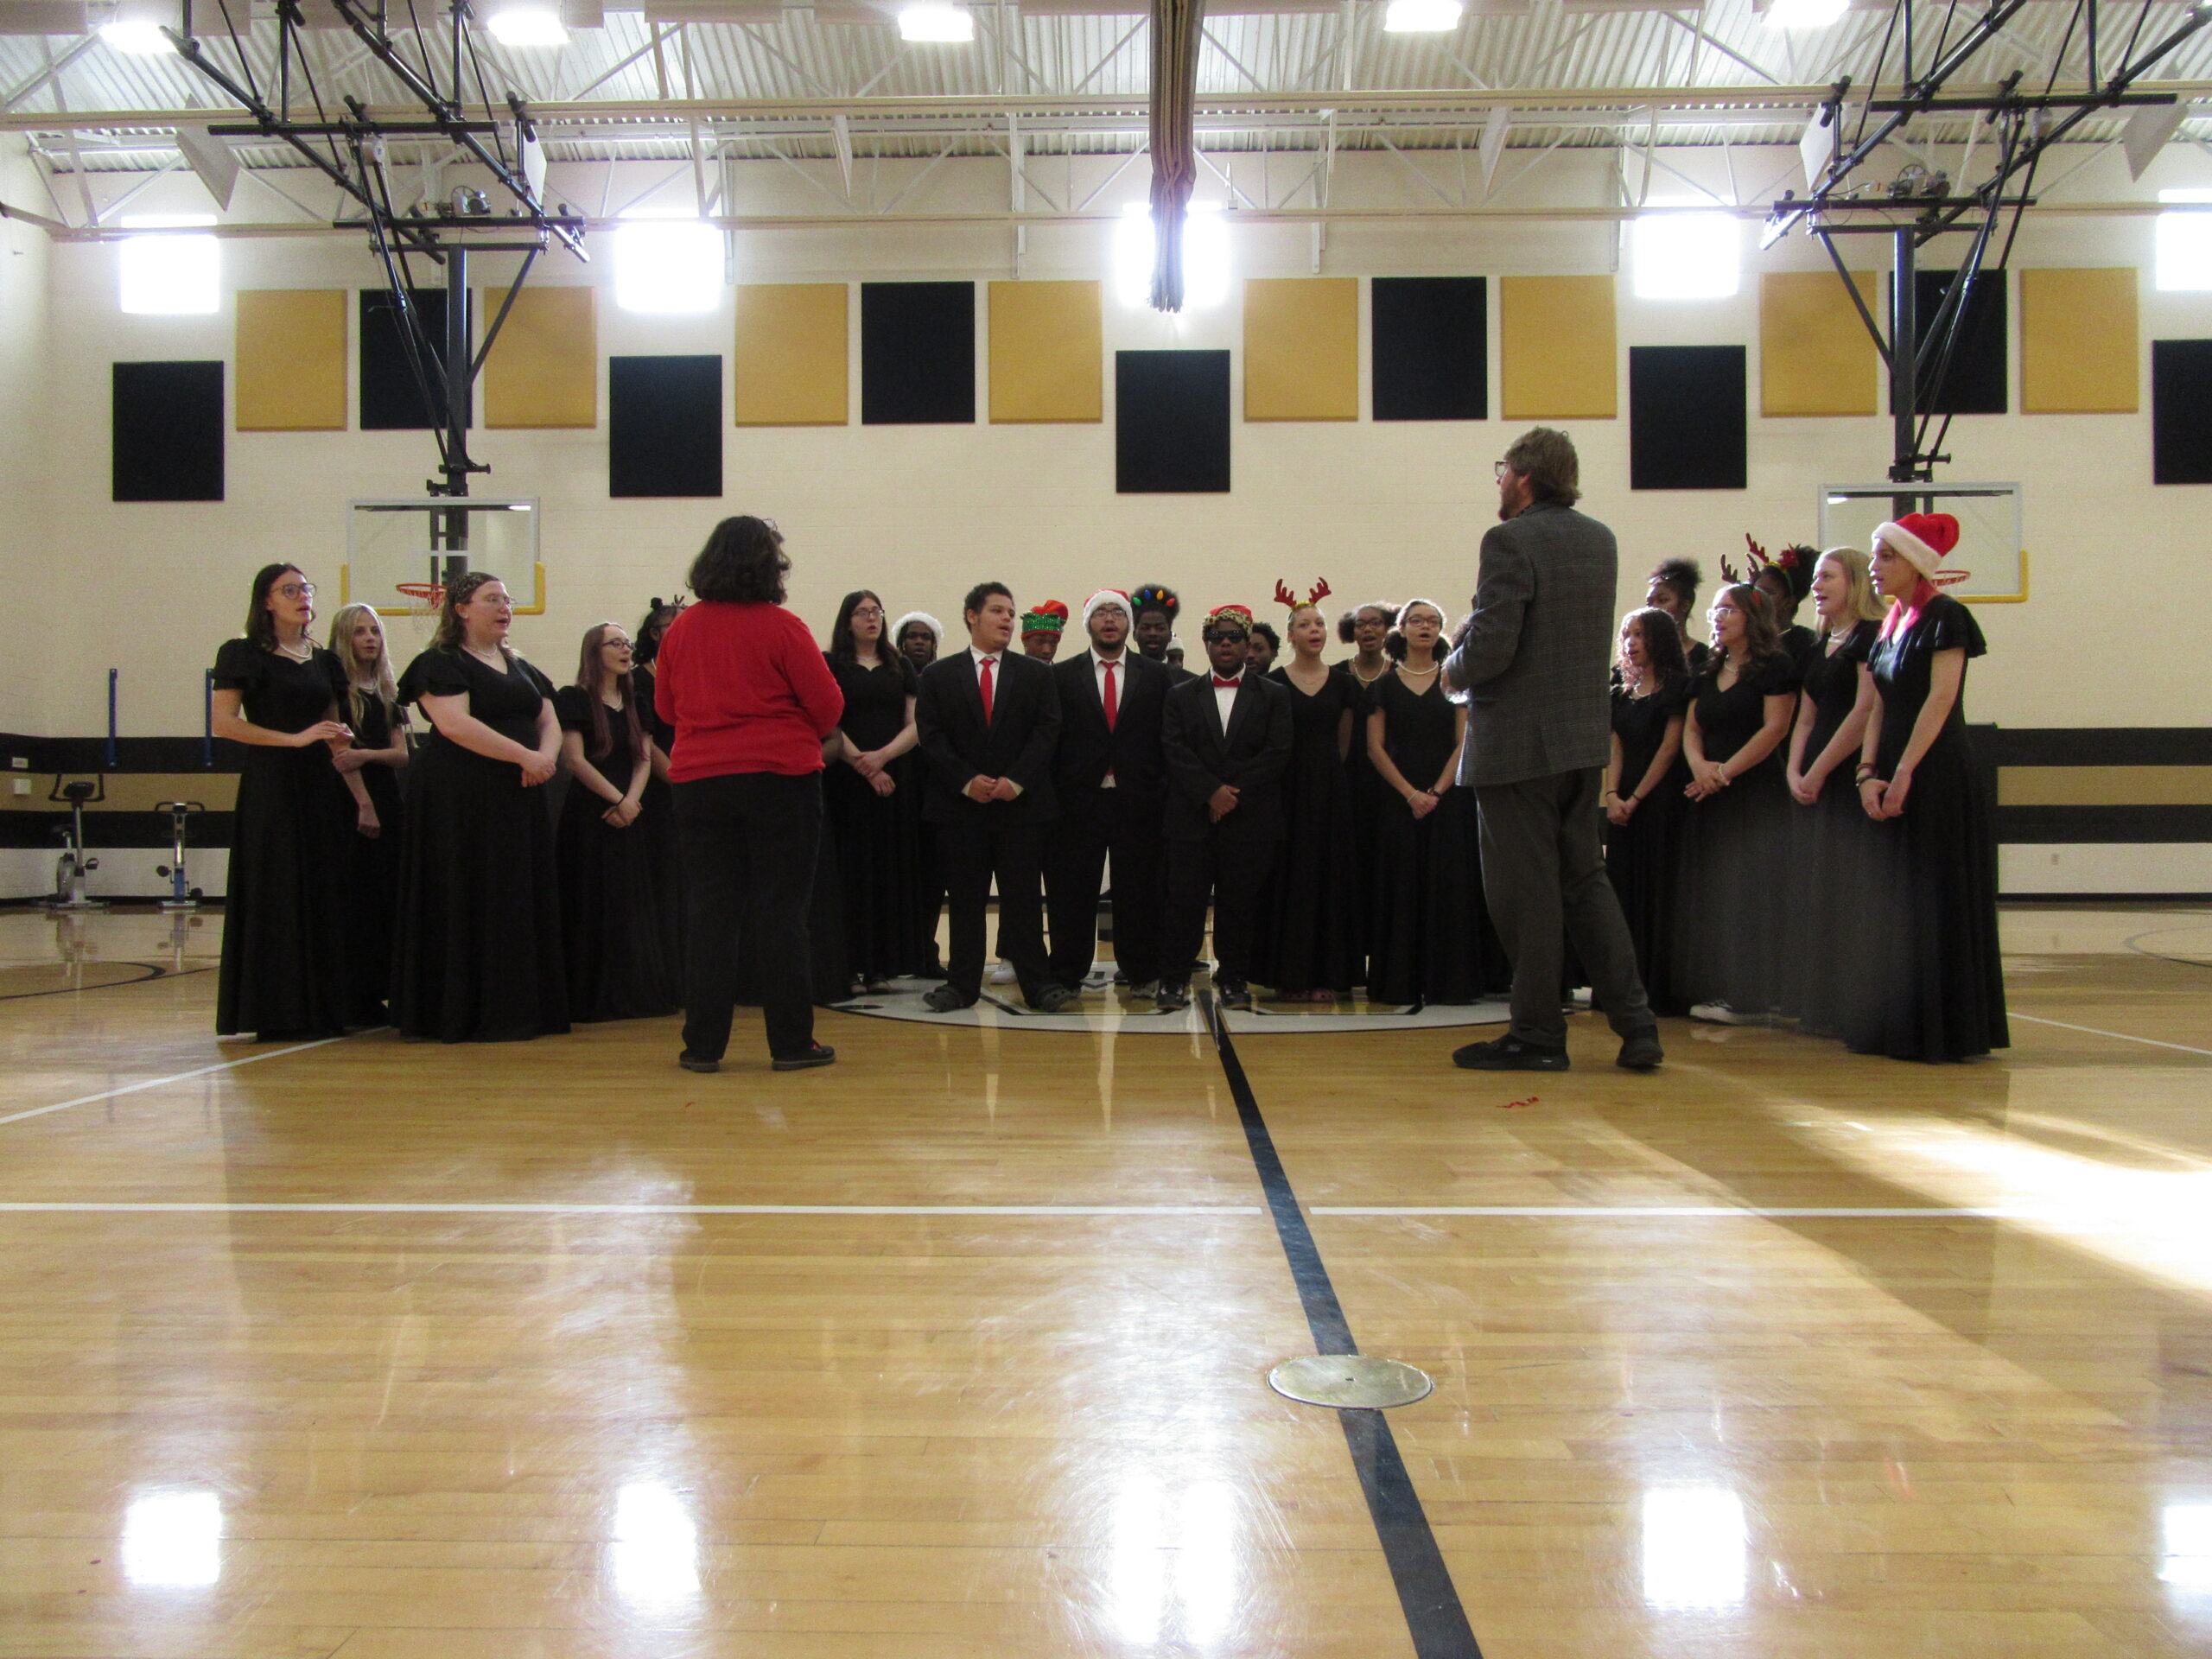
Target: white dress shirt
{"type": "Point", "coordinates": [1224, 697]}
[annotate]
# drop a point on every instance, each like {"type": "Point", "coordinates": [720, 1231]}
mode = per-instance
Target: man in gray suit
{"type": "Point", "coordinates": [1534, 658]}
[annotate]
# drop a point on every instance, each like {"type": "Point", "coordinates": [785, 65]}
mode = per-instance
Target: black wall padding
{"type": "Point", "coordinates": [168, 425]}
{"type": "Point", "coordinates": [1976, 383]}
{"type": "Point", "coordinates": [1685, 420]}
{"type": "Point", "coordinates": [1431, 348]}
{"type": "Point", "coordinates": [664, 426]}
{"type": "Point", "coordinates": [1170, 423]}
{"type": "Point", "coordinates": [918, 353]}
{"type": "Point", "coordinates": [2181, 412]}
{"type": "Point", "coordinates": [391, 400]}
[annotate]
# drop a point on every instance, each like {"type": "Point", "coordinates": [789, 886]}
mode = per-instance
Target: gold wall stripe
{"type": "Point", "coordinates": [2104, 786]}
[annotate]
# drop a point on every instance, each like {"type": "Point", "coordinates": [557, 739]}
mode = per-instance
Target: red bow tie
{"type": "Point", "coordinates": [1221, 684]}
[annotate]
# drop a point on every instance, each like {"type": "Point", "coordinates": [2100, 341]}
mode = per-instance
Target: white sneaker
{"type": "Point", "coordinates": [1002, 974]}
{"type": "Point", "coordinates": [1720, 1014]}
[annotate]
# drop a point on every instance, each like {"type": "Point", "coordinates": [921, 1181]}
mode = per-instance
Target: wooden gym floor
{"type": "Point", "coordinates": [391, 1351]}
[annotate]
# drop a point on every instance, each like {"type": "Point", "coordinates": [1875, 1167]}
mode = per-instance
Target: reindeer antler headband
{"type": "Point", "coordinates": [1285, 597]}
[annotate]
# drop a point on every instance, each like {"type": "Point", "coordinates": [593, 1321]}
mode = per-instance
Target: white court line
{"type": "Point", "coordinates": [2035, 1020]}
{"type": "Point", "coordinates": [182, 1076]}
{"type": "Point", "coordinates": [1749, 1211]}
{"type": "Point", "coordinates": [639, 1209]}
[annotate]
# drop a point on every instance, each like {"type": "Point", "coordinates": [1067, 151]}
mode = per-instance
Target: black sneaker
{"type": "Point", "coordinates": [691, 1062]}
{"type": "Point", "coordinates": [1234, 993]}
{"type": "Point", "coordinates": [1640, 1050]}
{"type": "Point", "coordinates": [1172, 999]}
{"type": "Point", "coordinates": [1509, 1054]}
{"type": "Point", "coordinates": [1050, 999]}
{"type": "Point", "coordinates": [945, 1000]}
{"type": "Point", "coordinates": [820, 1054]}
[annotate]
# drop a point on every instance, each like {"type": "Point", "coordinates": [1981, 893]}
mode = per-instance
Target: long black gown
{"type": "Point", "coordinates": [1311, 922]}
{"type": "Point", "coordinates": [657, 820]}
{"type": "Point", "coordinates": [1433, 937]}
{"type": "Point", "coordinates": [1731, 932]}
{"type": "Point", "coordinates": [874, 838]}
{"type": "Point", "coordinates": [372, 862]}
{"type": "Point", "coordinates": [1640, 855]}
{"type": "Point", "coordinates": [478, 956]}
{"type": "Point", "coordinates": [1370, 796]}
{"type": "Point", "coordinates": [286, 921]}
{"type": "Point", "coordinates": [611, 902]}
{"type": "Point", "coordinates": [1939, 994]}
{"type": "Point", "coordinates": [1831, 844]}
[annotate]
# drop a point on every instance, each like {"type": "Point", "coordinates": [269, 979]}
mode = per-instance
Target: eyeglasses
{"type": "Point", "coordinates": [1500, 469]}
{"type": "Point", "coordinates": [868, 612]}
{"type": "Point", "coordinates": [295, 590]}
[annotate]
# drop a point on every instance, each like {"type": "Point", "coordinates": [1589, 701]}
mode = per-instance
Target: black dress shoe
{"type": "Point", "coordinates": [1509, 1054]}
{"type": "Point", "coordinates": [691, 1062]}
{"type": "Point", "coordinates": [820, 1054]}
{"type": "Point", "coordinates": [1172, 999]}
{"type": "Point", "coordinates": [945, 1000]}
{"type": "Point", "coordinates": [1640, 1050]}
{"type": "Point", "coordinates": [1234, 993]}
{"type": "Point", "coordinates": [1051, 998]}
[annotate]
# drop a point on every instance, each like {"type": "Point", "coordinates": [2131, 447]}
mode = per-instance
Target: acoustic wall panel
{"type": "Point", "coordinates": [1046, 354]}
{"type": "Point", "coordinates": [2079, 354]}
{"type": "Point", "coordinates": [167, 424]}
{"type": "Point", "coordinates": [291, 352]}
{"type": "Point", "coordinates": [1976, 381]}
{"type": "Point", "coordinates": [1429, 339]}
{"type": "Point", "coordinates": [1687, 421]}
{"type": "Point", "coordinates": [1301, 348]}
{"type": "Point", "coordinates": [392, 400]}
{"type": "Point", "coordinates": [543, 369]}
{"type": "Point", "coordinates": [1170, 423]}
{"type": "Point", "coordinates": [790, 369]}
{"type": "Point", "coordinates": [1815, 356]}
{"type": "Point", "coordinates": [1557, 343]}
{"type": "Point", "coordinates": [664, 426]}
{"type": "Point", "coordinates": [918, 353]}
{"type": "Point", "coordinates": [2181, 412]}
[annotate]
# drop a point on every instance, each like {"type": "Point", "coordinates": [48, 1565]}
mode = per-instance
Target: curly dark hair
{"type": "Point", "coordinates": [972, 604]}
{"type": "Point", "coordinates": [1662, 647]}
{"type": "Point", "coordinates": [1348, 624]}
{"type": "Point", "coordinates": [742, 564]}
{"type": "Point", "coordinates": [1680, 578]}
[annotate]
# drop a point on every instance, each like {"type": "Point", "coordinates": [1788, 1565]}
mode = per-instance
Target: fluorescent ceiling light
{"type": "Point", "coordinates": [1806, 13]}
{"type": "Point", "coordinates": [932, 21]}
{"type": "Point", "coordinates": [140, 39]}
{"type": "Point", "coordinates": [1421, 17]}
{"type": "Point", "coordinates": [2183, 241]}
{"type": "Point", "coordinates": [173, 275]}
{"type": "Point", "coordinates": [1685, 255]}
{"type": "Point", "coordinates": [1205, 256]}
{"type": "Point", "coordinates": [526, 25]}
{"type": "Point", "coordinates": [667, 267]}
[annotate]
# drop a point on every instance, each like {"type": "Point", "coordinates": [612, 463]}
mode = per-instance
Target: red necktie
{"type": "Point", "coordinates": [1113, 702]}
{"type": "Point", "coordinates": [1220, 684]}
{"type": "Point", "coordinates": [989, 663]}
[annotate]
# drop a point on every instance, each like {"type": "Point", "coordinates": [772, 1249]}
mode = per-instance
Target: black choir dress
{"type": "Point", "coordinates": [612, 906]}
{"type": "Point", "coordinates": [1641, 855]}
{"type": "Point", "coordinates": [1831, 844]}
{"type": "Point", "coordinates": [478, 956]}
{"type": "Point", "coordinates": [1312, 920]}
{"type": "Point", "coordinates": [1732, 928]}
{"type": "Point", "coordinates": [874, 839]}
{"type": "Point", "coordinates": [658, 822]}
{"type": "Point", "coordinates": [1370, 794]}
{"type": "Point", "coordinates": [1941, 992]}
{"type": "Point", "coordinates": [1800, 644]}
{"type": "Point", "coordinates": [287, 924]}
{"type": "Point", "coordinates": [1433, 937]}
{"type": "Point", "coordinates": [372, 862]}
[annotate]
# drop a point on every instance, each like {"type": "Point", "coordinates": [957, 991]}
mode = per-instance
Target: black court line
{"type": "Point", "coordinates": [1434, 1617]}
{"type": "Point", "coordinates": [154, 971]}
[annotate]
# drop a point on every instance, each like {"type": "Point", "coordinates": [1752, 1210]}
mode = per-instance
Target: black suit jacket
{"type": "Point", "coordinates": [1252, 754]}
{"type": "Point", "coordinates": [1018, 743]}
{"type": "Point", "coordinates": [1132, 749]}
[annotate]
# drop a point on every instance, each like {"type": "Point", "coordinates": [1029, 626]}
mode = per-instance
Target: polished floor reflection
{"type": "Point", "coordinates": [959, 1348]}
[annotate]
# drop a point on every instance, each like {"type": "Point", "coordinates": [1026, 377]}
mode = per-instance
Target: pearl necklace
{"type": "Point", "coordinates": [305, 653]}
{"type": "Point", "coordinates": [1366, 679]}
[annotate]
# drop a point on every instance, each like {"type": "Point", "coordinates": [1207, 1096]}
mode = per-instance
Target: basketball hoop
{"type": "Point", "coordinates": [423, 597]}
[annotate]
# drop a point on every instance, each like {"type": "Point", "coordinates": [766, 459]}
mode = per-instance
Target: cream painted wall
{"type": "Point", "coordinates": [23, 283]}
{"type": "Point", "coordinates": [1389, 509]}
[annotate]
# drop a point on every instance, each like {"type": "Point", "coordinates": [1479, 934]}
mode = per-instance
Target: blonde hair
{"type": "Point", "coordinates": [361, 687]}
{"type": "Point", "coordinates": [1861, 602]}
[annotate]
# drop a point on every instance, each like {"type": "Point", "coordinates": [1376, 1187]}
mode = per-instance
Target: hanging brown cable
{"type": "Point", "coordinates": [1175, 27]}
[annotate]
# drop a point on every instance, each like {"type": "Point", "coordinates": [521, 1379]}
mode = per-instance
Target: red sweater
{"type": "Point", "coordinates": [746, 688]}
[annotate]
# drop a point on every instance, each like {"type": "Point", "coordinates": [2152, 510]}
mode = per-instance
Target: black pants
{"type": "Point", "coordinates": [1094, 822]}
{"type": "Point", "coordinates": [1233, 872]}
{"type": "Point", "coordinates": [969, 855]}
{"type": "Point", "coordinates": [1544, 879]}
{"type": "Point", "coordinates": [750, 840]}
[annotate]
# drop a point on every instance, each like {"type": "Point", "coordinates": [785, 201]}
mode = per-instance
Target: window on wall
{"type": "Point", "coordinates": [2184, 241]}
{"type": "Point", "coordinates": [1686, 254]}
{"type": "Point", "coordinates": [174, 273]}
{"type": "Point", "coordinates": [1205, 256]}
{"type": "Point", "coordinates": [667, 267]}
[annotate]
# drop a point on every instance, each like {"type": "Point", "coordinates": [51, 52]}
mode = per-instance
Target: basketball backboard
{"type": "Point", "coordinates": [1990, 529]}
{"type": "Point", "coordinates": [401, 552]}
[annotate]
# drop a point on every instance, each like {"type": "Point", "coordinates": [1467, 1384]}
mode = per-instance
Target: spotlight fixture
{"type": "Point", "coordinates": [1806, 13]}
{"type": "Point", "coordinates": [1421, 17]}
{"type": "Point", "coordinates": [525, 24]}
{"type": "Point", "coordinates": [934, 21]}
{"type": "Point", "coordinates": [135, 26]}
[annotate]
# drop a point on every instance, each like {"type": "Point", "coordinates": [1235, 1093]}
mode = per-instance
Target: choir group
{"type": "Point", "coordinates": [1795, 828]}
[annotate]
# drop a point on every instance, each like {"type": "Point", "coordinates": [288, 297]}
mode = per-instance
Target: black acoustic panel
{"type": "Point", "coordinates": [391, 397]}
{"type": "Point", "coordinates": [2181, 412]}
{"type": "Point", "coordinates": [1685, 420]}
{"type": "Point", "coordinates": [1975, 381]}
{"type": "Point", "coordinates": [168, 423]}
{"type": "Point", "coordinates": [918, 353]}
{"type": "Point", "coordinates": [664, 426]}
{"type": "Point", "coordinates": [1170, 423]}
{"type": "Point", "coordinates": [1431, 339]}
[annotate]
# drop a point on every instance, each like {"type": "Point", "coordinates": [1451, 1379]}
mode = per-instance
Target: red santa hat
{"type": "Point", "coordinates": [1924, 539]}
{"type": "Point", "coordinates": [1109, 599]}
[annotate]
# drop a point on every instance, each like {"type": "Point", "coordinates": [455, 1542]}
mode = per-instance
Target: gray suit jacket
{"type": "Point", "coordinates": [1535, 654]}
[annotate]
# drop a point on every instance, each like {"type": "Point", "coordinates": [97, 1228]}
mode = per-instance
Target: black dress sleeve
{"type": "Point", "coordinates": [1947, 625]}
{"type": "Point", "coordinates": [239, 665]}
{"type": "Point", "coordinates": [436, 673]}
{"type": "Point", "coordinates": [538, 677]}
{"type": "Point", "coordinates": [1782, 677]}
{"type": "Point", "coordinates": [572, 706]}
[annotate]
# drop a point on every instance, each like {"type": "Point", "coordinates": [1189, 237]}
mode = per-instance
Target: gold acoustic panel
{"type": "Point", "coordinates": [1815, 356]}
{"type": "Point", "coordinates": [2104, 786]}
{"type": "Point", "coordinates": [291, 360]}
{"type": "Point", "coordinates": [1046, 352]}
{"type": "Point", "coordinates": [137, 791]}
{"type": "Point", "coordinates": [2079, 353]}
{"type": "Point", "coordinates": [1557, 360]}
{"type": "Point", "coordinates": [791, 356]}
{"type": "Point", "coordinates": [543, 369]}
{"type": "Point", "coordinates": [1301, 348]}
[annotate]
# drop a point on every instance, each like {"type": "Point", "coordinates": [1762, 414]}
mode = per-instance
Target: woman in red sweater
{"type": "Point", "coordinates": [745, 688]}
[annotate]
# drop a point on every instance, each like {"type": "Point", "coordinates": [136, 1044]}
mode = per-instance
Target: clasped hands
{"type": "Point", "coordinates": [983, 789]}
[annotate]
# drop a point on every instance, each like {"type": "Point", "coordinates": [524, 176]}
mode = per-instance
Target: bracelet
{"type": "Point", "coordinates": [1864, 773]}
